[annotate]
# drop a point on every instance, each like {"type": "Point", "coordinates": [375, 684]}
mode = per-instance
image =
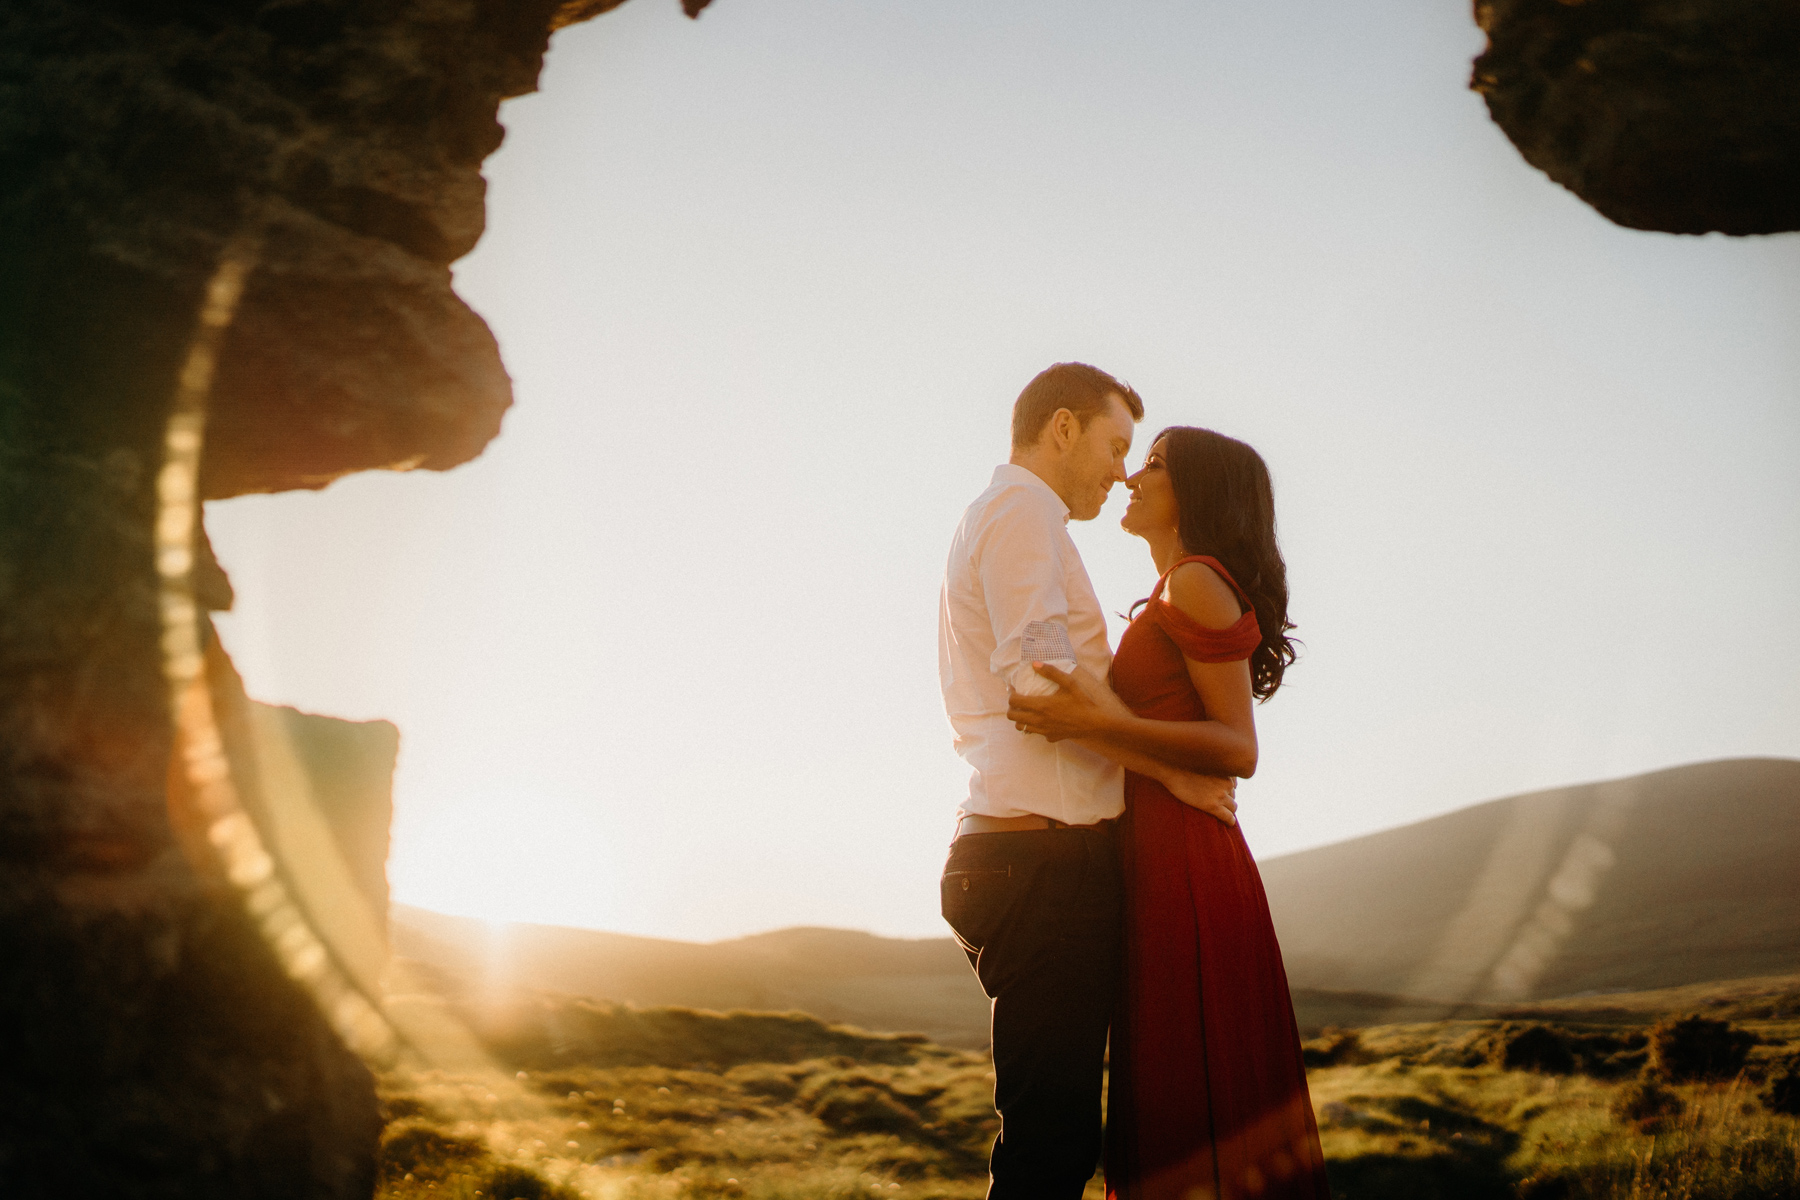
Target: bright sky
{"type": "Point", "coordinates": [664, 658]}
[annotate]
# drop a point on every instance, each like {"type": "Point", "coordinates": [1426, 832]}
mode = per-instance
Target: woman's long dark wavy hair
{"type": "Point", "coordinates": [1226, 507]}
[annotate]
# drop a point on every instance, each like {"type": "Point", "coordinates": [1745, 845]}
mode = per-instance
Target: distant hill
{"type": "Point", "coordinates": [1674, 878]}
{"type": "Point", "coordinates": [910, 985]}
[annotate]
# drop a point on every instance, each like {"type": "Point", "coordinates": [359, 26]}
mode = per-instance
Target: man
{"type": "Point", "coordinates": [1032, 887]}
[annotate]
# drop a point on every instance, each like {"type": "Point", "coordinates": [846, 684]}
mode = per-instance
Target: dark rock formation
{"type": "Point", "coordinates": [349, 767]}
{"type": "Point", "coordinates": [159, 1049]}
{"type": "Point", "coordinates": [1675, 115]}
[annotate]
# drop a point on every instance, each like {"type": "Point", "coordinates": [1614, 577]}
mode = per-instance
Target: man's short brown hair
{"type": "Point", "coordinates": [1081, 389]}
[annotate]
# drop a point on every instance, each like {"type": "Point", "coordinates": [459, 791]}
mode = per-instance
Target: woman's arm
{"type": "Point", "coordinates": [1210, 792]}
{"type": "Point", "coordinates": [1085, 708]}
{"type": "Point", "coordinates": [1211, 747]}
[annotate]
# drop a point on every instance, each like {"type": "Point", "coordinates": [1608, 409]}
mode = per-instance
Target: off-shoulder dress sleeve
{"type": "Point", "coordinates": [1236, 641]}
{"type": "Point", "coordinates": [1205, 645]}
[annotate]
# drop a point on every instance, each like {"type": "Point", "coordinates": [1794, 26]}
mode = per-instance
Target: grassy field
{"type": "Point", "coordinates": [597, 1101]}
{"type": "Point", "coordinates": [1412, 1112]}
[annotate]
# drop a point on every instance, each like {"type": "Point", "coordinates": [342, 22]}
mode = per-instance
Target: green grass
{"type": "Point", "coordinates": [1433, 1111]}
{"type": "Point", "coordinates": [1398, 1130]}
{"type": "Point", "coordinates": [817, 1128]}
{"type": "Point", "coordinates": [617, 1104]}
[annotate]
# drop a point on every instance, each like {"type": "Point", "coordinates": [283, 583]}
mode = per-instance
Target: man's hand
{"type": "Point", "coordinates": [1082, 706]}
{"type": "Point", "coordinates": [1214, 795]}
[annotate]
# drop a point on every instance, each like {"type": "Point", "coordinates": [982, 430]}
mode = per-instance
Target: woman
{"type": "Point", "coordinates": [1208, 1094]}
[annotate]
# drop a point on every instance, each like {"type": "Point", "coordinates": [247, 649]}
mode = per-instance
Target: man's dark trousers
{"type": "Point", "coordinates": [1038, 912]}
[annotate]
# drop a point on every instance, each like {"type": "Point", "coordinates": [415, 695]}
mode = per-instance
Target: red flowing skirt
{"type": "Point", "coordinates": [1208, 1097]}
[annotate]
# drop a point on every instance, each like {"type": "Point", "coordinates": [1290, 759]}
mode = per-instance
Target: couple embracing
{"type": "Point", "coordinates": [1098, 879]}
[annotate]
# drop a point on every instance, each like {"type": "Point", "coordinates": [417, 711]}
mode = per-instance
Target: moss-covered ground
{"type": "Point", "coordinates": [626, 1106]}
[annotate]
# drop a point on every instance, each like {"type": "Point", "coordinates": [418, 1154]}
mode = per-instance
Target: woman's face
{"type": "Point", "coordinates": [1152, 508]}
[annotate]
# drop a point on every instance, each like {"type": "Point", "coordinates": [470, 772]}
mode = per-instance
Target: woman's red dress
{"type": "Point", "coordinates": [1208, 1097]}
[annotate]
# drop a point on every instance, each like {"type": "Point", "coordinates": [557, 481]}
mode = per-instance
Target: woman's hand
{"type": "Point", "coordinates": [1214, 795]}
{"type": "Point", "coordinates": [1082, 706]}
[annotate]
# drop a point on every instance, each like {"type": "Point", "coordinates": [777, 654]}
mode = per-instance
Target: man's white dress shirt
{"type": "Point", "coordinates": [1015, 591]}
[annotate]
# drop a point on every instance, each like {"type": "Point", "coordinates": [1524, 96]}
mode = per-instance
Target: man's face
{"type": "Point", "coordinates": [1096, 460]}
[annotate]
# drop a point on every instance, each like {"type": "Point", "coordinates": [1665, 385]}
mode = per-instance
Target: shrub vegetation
{"type": "Point", "coordinates": [1783, 1093]}
{"type": "Point", "coordinates": [1695, 1047]}
{"type": "Point", "coordinates": [1453, 1110]}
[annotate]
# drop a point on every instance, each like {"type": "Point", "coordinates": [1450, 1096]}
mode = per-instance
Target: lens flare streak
{"type": "Point", "coordinates": [356, 1017]}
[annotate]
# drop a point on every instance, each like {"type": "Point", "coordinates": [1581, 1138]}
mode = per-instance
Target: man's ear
{"type": "Point", "coordinates": [1065, 428]}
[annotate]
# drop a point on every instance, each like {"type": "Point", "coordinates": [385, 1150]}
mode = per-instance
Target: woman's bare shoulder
{"type": "Point", "coordinates": [1202, 593]}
